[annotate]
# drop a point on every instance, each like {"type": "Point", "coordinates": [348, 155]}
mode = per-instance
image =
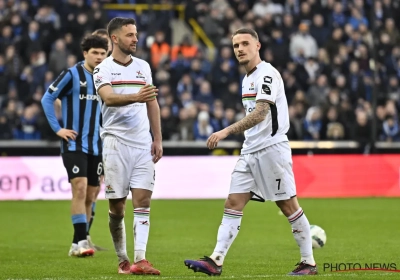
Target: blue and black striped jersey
{"type": "Point", "coordinates": [80, 109]}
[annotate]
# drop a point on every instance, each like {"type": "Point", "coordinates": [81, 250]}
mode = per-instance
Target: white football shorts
{"type": "Point", "coordinates": [126, 168]}
{"type": "Point", "coordinates": [267, 173]}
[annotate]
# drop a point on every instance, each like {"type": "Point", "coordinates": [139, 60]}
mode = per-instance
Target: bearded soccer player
{"type": "Point", "coordinates": [264, 169]}
{"type": "Point", "coordinates": [129, 110]}
{"type": "Point", "coordinates": [81, 146]}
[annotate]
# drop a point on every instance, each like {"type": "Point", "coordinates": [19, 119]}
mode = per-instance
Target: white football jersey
{"type": "Point", "coordinates": [129, 123]}
{"type": "Point", "coordinates": [265, 83]}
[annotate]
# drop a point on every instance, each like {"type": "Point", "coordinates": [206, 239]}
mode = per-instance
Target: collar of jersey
{"type": "Point", "coordinates": [123, 64]}
{"type": "Point", "coordinates": [254, 69]}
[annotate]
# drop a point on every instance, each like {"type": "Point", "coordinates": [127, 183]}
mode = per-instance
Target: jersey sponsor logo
{"type": "Point", "coordinates": [115, 74]}
{"type": "Point", "coordinates": [249, 109]}
{"type": "Point", "coordinates": [75, 169]}
{"type": "Point", "coordinates": [83, 84]}
{"type": "Point", "coordinates": [96, 70]}
{"type": "Point", "coordinates": [89, 97]}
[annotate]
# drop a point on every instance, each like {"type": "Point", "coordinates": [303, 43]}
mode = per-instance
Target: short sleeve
{"type": "Point", "coordinates": [267, 86]}
{"type": "Point", "coordinates": [101, 76]}
{"type": "Point", "coordinates": [149, 75]}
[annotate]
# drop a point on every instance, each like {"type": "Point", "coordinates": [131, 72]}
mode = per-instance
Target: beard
{"type": "Point", "coordinates": [126, 51]}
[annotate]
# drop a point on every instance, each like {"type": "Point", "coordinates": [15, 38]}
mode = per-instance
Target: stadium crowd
{"type": "Point", "coordinates": [323, 50]}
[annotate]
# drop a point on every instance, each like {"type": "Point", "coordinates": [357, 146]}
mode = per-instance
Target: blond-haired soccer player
{"type": "Point", "coordinates": [129, 109]}
{"type": "Point", "coordinates": [264, 169]}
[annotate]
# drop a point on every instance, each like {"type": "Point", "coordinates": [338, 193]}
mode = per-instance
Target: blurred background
{"type": "Point", "coordinates": [340, 61]}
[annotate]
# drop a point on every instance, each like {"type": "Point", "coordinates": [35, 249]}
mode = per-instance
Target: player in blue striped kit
{"type": "Point", "coordinates": [81, 146]}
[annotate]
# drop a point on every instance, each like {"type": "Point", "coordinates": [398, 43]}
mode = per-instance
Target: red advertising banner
{"type": "Point", "coordinates": [347, 175]}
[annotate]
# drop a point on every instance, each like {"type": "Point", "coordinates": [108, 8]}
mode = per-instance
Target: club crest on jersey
{"type": "Point", "coordinates": [75, 169]}
{"type": "Point", "coordinates": [109, 189]}
{"type": "Point", "coordinates": [251, 86]}
{"type": "Point", "coordinates": [139, 75]}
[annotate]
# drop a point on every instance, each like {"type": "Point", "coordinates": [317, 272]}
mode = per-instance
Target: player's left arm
{"type": "Point", "coordinates": [153, 113]}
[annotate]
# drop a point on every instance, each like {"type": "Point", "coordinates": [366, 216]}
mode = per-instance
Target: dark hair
{"type": "Point", "coordinates": [95, 42]}
{"type": "Point", "coordinates": [117, 22]}
{"type": "Point", "coordinates": [100, 32]}
{"type": "Point", "coordinates": [250, 31]}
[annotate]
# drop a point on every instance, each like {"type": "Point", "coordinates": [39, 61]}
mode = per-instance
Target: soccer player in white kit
{"type": "Point", "coordinates": [264, 169]}
{"type": "Point", "coordinates": [129, 109]}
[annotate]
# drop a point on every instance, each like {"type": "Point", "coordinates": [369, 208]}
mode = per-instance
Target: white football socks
{"type": "Point", "coordinates": [302, 235]}
{"type": "Point", "coordinates": [141, 229]}
{"type": "Point", "coordinates": [227, 232]}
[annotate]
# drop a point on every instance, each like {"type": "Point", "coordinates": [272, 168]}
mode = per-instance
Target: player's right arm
{"type": "Point", "coordinates": [102, 82]}
{"type": "Point", "coordinates": [61, 87]}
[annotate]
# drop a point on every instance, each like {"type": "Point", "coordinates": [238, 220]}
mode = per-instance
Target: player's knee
{"type": "Point", "coordinates": [117, 207]}
{"type": "Point", "coordinates": [288, 207]}
{"type": "Point", "coordinates": [235, 202]}
{"type": "Point", "coordinates": [141, 198]}
{"type": "Point", "coordinates": [79, 186]}
{"type": "Point", "coordinates": [142, 202]}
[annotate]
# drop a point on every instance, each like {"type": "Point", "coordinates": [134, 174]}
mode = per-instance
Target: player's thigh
{"type": "Point", "coordinates": [143, 175]}
{"type": "Point", "coordinates": [242, 180]}
{"type": "Point", "coordinates": [117, 168]}
{"type": "Point", "coordinates": [94, 170]}
{"type": "Point", "coordinates": [274, 173]}
{"type": "Point", "coordinates": [76, 164]}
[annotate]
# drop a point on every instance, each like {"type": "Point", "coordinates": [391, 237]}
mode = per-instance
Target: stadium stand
{"type": "Point", "coordinates": [335, 57]}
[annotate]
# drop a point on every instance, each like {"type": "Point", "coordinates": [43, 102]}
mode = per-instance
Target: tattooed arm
{"type": "Point", "coordinates": [255, 117]}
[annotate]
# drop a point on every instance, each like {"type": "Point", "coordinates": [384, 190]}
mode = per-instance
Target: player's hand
{"type": "Point", "coordinates": [156, 150]}
{"type": "Point", "coordinates": [146, 94]}
{"type": "Point", "coordinates": [213, 140]}
{"type": "Point", "coordinates": [67, 134]}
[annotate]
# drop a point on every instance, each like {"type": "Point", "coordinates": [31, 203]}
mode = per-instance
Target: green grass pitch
{"type": "Point", "coordinates": [35, 237]}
